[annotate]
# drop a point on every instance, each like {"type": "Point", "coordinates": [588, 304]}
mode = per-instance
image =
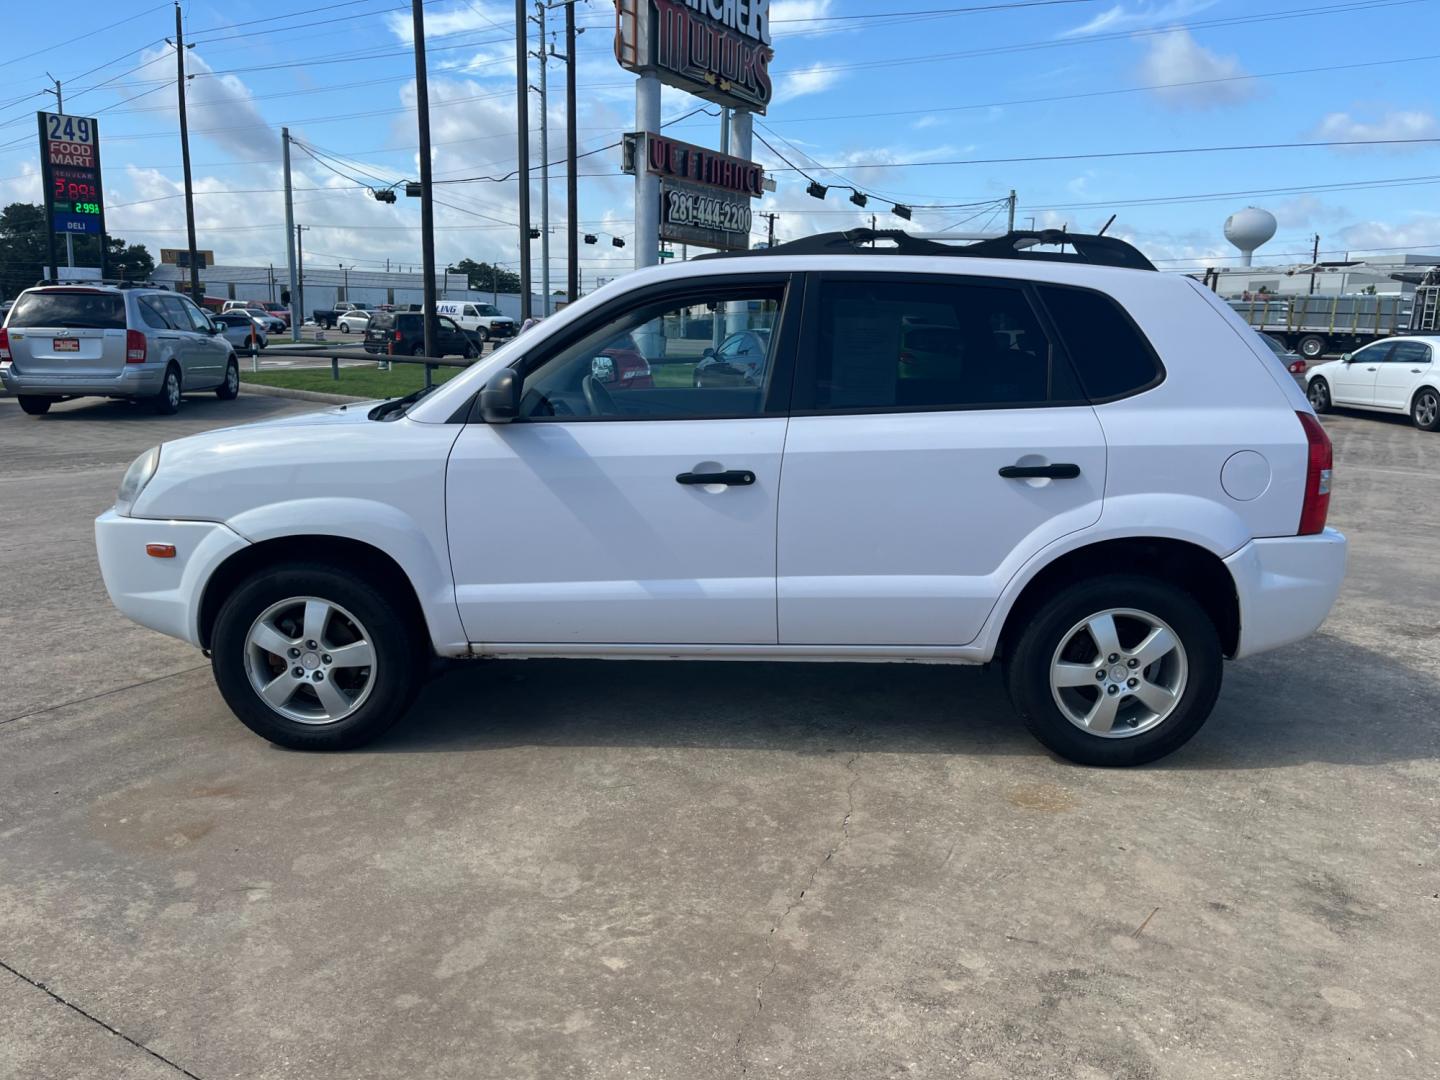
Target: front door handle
{"type": "Point", "coordinates": [1369, 369]}
{"type": "Point", "coordinates": [1062, 471]}
{"type": "Point", "coordinates": [1416, 370]}
{"type": "Point", "coordinates": [735, 477]}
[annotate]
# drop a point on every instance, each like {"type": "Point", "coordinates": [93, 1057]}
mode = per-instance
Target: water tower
{"type": "Point", "coordinates": [1249, 228]}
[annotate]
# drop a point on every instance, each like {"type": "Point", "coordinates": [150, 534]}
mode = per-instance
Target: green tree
{"type": "Point", "coordinates": [23, 251]}
{"type": "Point", "coordinates": [481, 275]}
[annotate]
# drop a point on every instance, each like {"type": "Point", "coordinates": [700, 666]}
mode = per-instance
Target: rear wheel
{"type": "Point", "coordinates": [167, 401]}
{"type": "Point", "coordinates": [314, 658]}
{"type": "Point", "coordinates": [1119, 670]}
{"type": "Point", "coordinates": [35, 406]}
{"type": "Point", "coordinates": [418, 350]}
{"type": "Point", "coordinates": [1310, 346]}
{"type": "Point", "coordinates": [484, 333]}
{"type": "Point", "coordinates": [1425, 410]}
{"type": "Point", "coordinates": [1319, 394]}
{"type": "Point", "coordinates": [229, 390]}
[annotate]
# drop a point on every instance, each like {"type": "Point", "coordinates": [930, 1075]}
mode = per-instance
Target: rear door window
{"type": "Point", "coordinates": [895, 344]}
{"type": "Point", "coordinates": [1110, 355]}
{"type": "Point", "coordinates": [151, 315]}
{"type": "Point", "coordinates": [174, 312]}
{"type": "Point", "coordinates": [70, 310]}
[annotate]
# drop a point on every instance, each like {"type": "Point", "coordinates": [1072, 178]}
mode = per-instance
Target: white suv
{"type": "Point", "coordinates": [1090, 472]}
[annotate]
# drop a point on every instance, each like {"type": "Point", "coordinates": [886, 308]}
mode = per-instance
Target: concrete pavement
{"type": "Point", "coordinates": [563, 869]}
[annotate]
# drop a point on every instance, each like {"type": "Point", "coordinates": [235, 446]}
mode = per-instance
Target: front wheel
{"type": "Point", "coordinates": [1425, 410]}
{"type": "Point", "coordinates": [35, 406]}
{"type": "Point", "coordinates": [229, 390]}
{"type": "Point", "coordinates": [314, 658]}
{"type": "Point", "coordinates": [1119, 670]}
{"type": "Point", "coordinates": [344, 328]}
{"type": "Point", "coordinates": [1319, 394]}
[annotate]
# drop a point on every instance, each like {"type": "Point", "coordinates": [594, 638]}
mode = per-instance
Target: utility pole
{"type": "Point", "coordinates": [69, 240]}
{"type": "Point", "coordinates": [297, 313]}
{"type": "Point", "coordinates": [522, 132]}
{"type": "Point", "coordinates": [770, 228]}
{"type": "Point", "coordinates": [539, 20]}
{"type": "Point", "coordinates": [427, 206]}
{"type": "Point", "coordinates": [185, 153]}
{"type": "Point", "coordinates": [298, 308]}
{"type": "Point", "coordinates": [1010, 226]}
{"type": "Point", "coordinates": [1314, 258]}
{"type": "Point", "coordinates": [572, 182]}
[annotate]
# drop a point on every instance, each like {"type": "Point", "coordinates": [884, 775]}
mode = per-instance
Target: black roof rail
{"type": "Point", "coordinates": [1022, 245]}
{"type": "Point", "coordinates": [117, 283]}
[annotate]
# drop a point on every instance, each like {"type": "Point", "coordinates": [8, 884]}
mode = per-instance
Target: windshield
{"type": "Point", "coordinates": [487, 309]}
{"type": "Point", "coordinates": [73, 310]}
{"type": "Point", "coordinates": [398, 407]}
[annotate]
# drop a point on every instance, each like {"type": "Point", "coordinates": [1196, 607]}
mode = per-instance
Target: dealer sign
{"type": "Point", "coordinates": [715, 49]}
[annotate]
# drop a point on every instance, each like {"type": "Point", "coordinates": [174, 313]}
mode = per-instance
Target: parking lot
{"type": "Point", "coordinates": [563, 869]}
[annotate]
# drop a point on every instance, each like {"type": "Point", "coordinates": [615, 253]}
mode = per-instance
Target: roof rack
{"type": "Point", "coordinates": [117, 283]}
{"type": "Point", "coordinates": [1021, 245]}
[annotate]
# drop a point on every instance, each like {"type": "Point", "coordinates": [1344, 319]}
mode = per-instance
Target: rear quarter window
{"type": "Point", "coordinates": [1110, 354]}
{"type": "Point", "coordinates": [74, 311]}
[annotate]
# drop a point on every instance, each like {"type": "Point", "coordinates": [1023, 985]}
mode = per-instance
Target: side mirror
{"type": "Point", "coordinates": [708, 352]}
{"type": "Point", "coordinates": [500, 397]}
{"type": "Point", "coordinates": [1347, 358]}
{"type": "Point", "coordinates": [602, 369]}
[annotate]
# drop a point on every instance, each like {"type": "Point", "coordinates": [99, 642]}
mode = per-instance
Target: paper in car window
{"type": "Point", "coordinates": [864, 360]}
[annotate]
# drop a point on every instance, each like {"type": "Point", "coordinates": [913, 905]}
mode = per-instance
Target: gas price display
{"type": "Point", "coordinates": [70, 161]}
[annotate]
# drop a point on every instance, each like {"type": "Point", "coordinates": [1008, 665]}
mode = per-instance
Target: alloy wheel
{"type": "Point", "coordinates": [1118, 673]}
{"type": "Point", "coordinates": [310, 660]}
{"type": "Point", "coordinates": [1427, 408]}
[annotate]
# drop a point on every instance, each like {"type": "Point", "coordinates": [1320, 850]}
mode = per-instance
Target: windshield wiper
{"type": "Point", "coordinates": [397, 407]}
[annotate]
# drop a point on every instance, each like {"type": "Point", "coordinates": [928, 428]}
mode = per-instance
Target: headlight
{"type": "Point", "coordinates": [136, 477]}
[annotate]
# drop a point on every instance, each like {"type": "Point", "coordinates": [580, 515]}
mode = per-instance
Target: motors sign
{"type": "Point", "coordinates": [70, 170]}
{"type": "Point", "coordinates": [673, 159]}
{"type": "Point", "coordinates": [715, 49]}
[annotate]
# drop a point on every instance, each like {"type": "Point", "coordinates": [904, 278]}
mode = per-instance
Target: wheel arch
{"type": "Point", "coordinates": [1181, 562]}
{"type": "Point", "coordinates": [1434, 389]}
{"type": "Point", "coordinates": [345, 553]}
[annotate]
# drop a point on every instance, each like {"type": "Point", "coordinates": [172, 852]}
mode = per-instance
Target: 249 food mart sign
{"type": "Point", "coordinates": [70, 169]}
{"type": "Point", "coordinates": [715, 49]}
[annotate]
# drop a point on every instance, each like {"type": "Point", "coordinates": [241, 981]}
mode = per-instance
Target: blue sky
{"type": "Point", "coordinates": [870, 101]}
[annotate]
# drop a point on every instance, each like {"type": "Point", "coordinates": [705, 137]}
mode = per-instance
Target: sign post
{"type": "Point", "coordinates": [70, 173]}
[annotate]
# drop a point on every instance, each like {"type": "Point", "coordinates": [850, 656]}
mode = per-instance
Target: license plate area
{"type": "Point", "coordinates": [66, 344]}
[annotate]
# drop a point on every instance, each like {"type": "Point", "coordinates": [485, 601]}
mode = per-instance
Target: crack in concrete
{"type": "Point", "coordinates": [103, 693]}
{"type": "Point", "coordinates": [799, 899]}
{"type": "Point", "coordinates": [96, 1020]}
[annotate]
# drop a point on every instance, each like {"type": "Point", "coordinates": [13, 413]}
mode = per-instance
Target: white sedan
{"type": "Point", "coordinates": [354, 322]}
{"type": "Point", "coordinates": [1397, 375]}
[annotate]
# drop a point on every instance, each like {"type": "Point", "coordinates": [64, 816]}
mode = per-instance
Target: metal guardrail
{"type": "Point", "coordinates": [336, 355]}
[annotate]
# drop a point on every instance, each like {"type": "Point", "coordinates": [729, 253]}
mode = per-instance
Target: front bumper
{"type": "Point", "coordinates": [1286, 586]}
{"type": "Point", "coordinates": [163, 594]}
{"type": "Point", "coordinates": [502, 330]}
{"type": "Point", "coordinates": [137, 380]}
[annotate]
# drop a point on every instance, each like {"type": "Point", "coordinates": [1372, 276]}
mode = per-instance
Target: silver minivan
{"type": "Point", "coordinates": [117, 341]}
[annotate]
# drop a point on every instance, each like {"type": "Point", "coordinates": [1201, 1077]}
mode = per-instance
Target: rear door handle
{"type": "Point", "coordinates": [1062, 471]}
{"type": "Point", "coordinates": [735, 477]}
{"type": "Point", "coordinates": [1369, 369]}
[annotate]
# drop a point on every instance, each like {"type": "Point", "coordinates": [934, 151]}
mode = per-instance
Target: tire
{"type": "Point", "coordinates": [1310, 346]}
{"type": "Point", "coordinates": [229, 388]}
{"type": "Point", "coordinates": [1057, 639]}
{"type": "Point", "coordinates": [418, 350]}
{"type": "Point", "coordinates": [484, 333]}
{"type": "Point", "coordinates": [1318, 391]}
{"type": "Point", "coordinates": [470, 352]}
{"type": "Point", "coordinates": [1425, 409]}
{"type": "Point", "coordinates": [167, 401]}
{"type": "Point", "coordinates": [367, 699]}
{"type": "Point", "coordinates": [35, 406]}
{"type": "Point", "coordinates": [344, 328]}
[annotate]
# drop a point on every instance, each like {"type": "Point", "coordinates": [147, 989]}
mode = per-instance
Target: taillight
{"type": "Point", "coordinates": [397, 335]}
{"type": "Point", "coordinates": [134, 347]}
{"type": "Point", "coordinates": [1316, 506]}
{"type": "Point", "coordinates": [907, 358]}
{"type": "Point", "coordinates": [4, 345]}
{"type": "Point", "coordinates": [639, 371]}
{"type": "Point", "coordinates": [1297, 367]}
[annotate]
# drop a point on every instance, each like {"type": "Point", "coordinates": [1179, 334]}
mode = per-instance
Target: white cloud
{"type": "Point", "coordinates": [1139, 16]}
{"type": "Point", "coordinates": [929, 120]}
{"type": "Point", "coordinates": [1396, 124]}
{"type": "Point", "coordinates": [812, 80]}
{"type": "Point", "coordinates": [794, 17]}
{"type": "Point", "coordinates": [222, 109]}
{"type": "Point", "coordinates": [1175, 59]}
{"type": "Point", "coordinates": [1421, 231]}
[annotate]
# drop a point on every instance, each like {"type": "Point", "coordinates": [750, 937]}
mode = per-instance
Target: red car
{"type": "Point", "coordinates": [632, 370]}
